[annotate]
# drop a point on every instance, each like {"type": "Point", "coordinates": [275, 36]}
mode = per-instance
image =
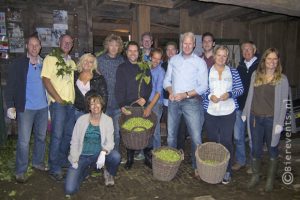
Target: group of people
{"type": "Point", "coordinates": [85, 104]}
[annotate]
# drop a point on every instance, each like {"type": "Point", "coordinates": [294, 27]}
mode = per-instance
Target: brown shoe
{"type": "Point", "coordinates": [236, 167]}
{"type": "Point", "coordinates": [196, 175]}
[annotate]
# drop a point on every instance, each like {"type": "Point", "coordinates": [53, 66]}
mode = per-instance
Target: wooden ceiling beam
{"type": "Point", "coordinates": [155, 3]}
{"type": "Point", "coordinates": [110, 26]}
{"type": "Point", "coordinates": [287, 7]}
{"type": "Point", "coordinates": [219, 11]}
{"type": "Point", "coordinates": [268, 19]}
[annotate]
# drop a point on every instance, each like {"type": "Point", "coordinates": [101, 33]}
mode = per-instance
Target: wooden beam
{"type": "Point", "coordinates": [110, 26]}
{"type": "Point", "coordinates": [172, 29]}
{"type": "Point", "coordinates": [89, 22]}
{"type": "Point", "coordinates": [219, 11]}
{"type": "Point", "coordinates": [268, 19]}
{"type": "Point", "coordinates": [287, 7]}
{"type": "Point", "coordinates": [112, 12]}
{"type": "Point", "coordinates": [143, 20]}
{"type": "Point", "coordinates": [155, 3]}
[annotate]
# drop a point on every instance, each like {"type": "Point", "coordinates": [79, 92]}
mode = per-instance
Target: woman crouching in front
{"type": "Point", "coordinates": [92, 146]}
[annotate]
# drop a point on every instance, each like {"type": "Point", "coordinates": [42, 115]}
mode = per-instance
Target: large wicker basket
{"type": "Point", "coordinates": [132, 139]}
{"type": "Point", "coordinates": [163, 170]}
{"type": "Point", "coordinates": [212, 151]}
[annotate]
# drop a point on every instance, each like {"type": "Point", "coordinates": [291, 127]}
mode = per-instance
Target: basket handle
{"type": "Point", "coordinates": [134, 102]}
{"type": "Point", "coordinates": [138, 127]}
{"type": "Point", "coordinates": [181, 154]}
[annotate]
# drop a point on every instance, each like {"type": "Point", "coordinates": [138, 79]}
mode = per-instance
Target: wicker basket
{"type": "Point", "coordinates": [212, 151]}
{"type": "Point", "coordinates": [132, 139]}
{"type": "Point", "coordinates": [163, 170]}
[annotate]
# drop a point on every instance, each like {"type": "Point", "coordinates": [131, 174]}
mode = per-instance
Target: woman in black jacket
{"type": "Point", "coordinates": [87, 80]}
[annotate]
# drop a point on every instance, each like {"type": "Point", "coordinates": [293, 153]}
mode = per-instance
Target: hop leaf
{"type": "Point", "coordinates": [62, 68]}
{"type": "Point", "coordinates": [138, 76]}
{"type": "Point", "coordinates": [147, 79]}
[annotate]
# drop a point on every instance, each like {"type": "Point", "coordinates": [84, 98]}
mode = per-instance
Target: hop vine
{"type": "Point", "coordinates": [62, 68]}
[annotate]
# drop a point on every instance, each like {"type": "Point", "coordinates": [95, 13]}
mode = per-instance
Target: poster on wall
{"type": "Point", "coordinates": [56, 33]}
{"type": "Point", "coordinates": [50, 37]}
{"type": "Point", "coordinates": [2, 24]}
{"type": "Point", "coordinates": [60, 19]}
{"type": "Point", "coordinates": [45, 35]}
{"type": "Point", "coordinates": [13, 15]}
{"type": "Point", "coordinates": [15, 31]}
{"type": "Point", "coordinates": [16, 45]}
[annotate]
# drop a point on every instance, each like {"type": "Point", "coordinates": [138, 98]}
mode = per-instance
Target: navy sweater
{"type": "Point", "coordinates": [245, 75]}
{"type": "Point", "coordinates": [127, 86]}
{"type": "Point", "coordinates": [15, 94]}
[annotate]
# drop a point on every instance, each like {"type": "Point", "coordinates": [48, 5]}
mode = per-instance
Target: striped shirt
{"type": "Point", "coordinates": [236, 89]}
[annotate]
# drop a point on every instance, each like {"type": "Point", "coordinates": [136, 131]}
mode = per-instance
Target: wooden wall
{"type": "Point", "coordinates": [284, 35]}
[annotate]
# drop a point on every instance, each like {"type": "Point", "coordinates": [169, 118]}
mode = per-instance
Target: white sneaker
{"type": "Point", "coordinates": [140, 156]}
{"type": "Point", "coordinates": [226, 179]}
{"type": "Point", "coordinates": [109, 179]}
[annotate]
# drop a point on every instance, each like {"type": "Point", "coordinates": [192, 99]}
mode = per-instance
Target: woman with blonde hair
{"type": "Point", "coordinates": [220, 103]}
{"type": "Point", "coordinates": [87, 80]}
{"type": "Point", "coordinates": [266, 109]}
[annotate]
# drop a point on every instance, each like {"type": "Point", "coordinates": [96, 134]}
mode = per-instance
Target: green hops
{"type": "Point", "coordinates": [137, 124]}
{"type": "Point", "coordinates": [211, 162]}
{"type": "Point", "coordinates": [167, 155]}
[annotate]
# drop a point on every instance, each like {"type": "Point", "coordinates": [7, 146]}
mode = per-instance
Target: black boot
{"type": "Point", "coordinates": [148, 157]}
{"type": "Point", "coordinates": [256, 163]}
{"type": "Point", "coordinates": [271, 175]}
{"type": "Point", "coordinates": [130, 155]}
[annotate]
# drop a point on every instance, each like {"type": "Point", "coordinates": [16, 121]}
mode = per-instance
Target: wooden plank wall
{"type": "Point", "coordinates": [283, 35]}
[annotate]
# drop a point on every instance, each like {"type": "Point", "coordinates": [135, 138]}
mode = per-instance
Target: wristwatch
{"type": "Point", "coordinates": [187, 95]}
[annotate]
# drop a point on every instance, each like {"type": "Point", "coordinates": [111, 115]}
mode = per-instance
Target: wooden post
{"type": "Point", "coordinates": [89, 22]}
{"type": "Point", "coordinates": [143, 20]}
{"type": "Point", "coordinates": [134, 30]}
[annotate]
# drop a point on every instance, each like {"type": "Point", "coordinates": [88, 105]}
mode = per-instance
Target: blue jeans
{"type": "Point", "coordinates": [261, 130]}
{"type": "Point", "coordinates": [62, 124]}
{"type": "Point", "coordinates": [192, 111]}
{"type": "Point", "coordinates": [155, 141]}
{"type": "Point", "coordinates": [38, 120]}
{"type": "Point", "coordinates": [239, 138]}
{"type": "Point", "coordinates": [78, 114]}
{"type": "Point", "coordinates": [76, 176]}
{"type": "Point", "coordinates": [115, 114]}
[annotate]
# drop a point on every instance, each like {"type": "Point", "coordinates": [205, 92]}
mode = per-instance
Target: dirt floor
{"type": "Point", "coordinates": [138, 183]}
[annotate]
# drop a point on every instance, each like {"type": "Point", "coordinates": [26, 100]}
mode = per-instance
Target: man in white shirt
{"type": "Point", "coordinates": [185, 80]}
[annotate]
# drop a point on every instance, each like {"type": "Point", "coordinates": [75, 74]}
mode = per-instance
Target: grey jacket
{"type": "Point", "coordinates": [106, 132]}
{"type": "Point", "coordinates": [280, 106]}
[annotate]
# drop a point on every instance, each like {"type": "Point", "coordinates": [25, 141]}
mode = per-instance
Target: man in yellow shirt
{"type": "Point", "coordinates": [58, 78]}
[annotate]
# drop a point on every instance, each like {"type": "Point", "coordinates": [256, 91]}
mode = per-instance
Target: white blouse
{"type": "Point", "coordinates": [84, 88]}
{"type": "Point", "coordinates": [218, 87]}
